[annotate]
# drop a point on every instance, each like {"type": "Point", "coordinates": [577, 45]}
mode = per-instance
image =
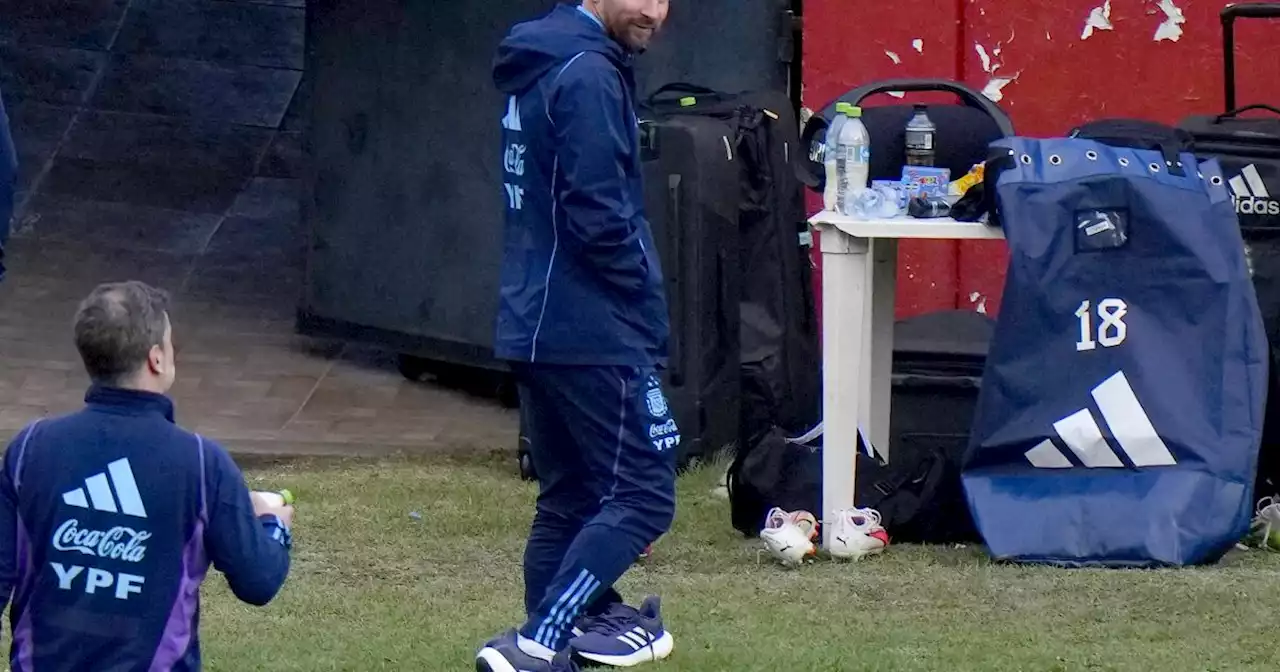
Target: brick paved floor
{"type": "Point", "coordinates": [163, 142]}
{"type": "Point", "coordinates": [244, 377]}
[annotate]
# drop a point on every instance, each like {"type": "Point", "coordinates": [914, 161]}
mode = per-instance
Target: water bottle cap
{"type": "Point", "coordinates": [287, 496]}
{"type": "Point", "coordinates": [855, 111]}
{"type": "Point", "coordinates": [843, 107]}
{"type": "Point", "coordinates": [688, 101]}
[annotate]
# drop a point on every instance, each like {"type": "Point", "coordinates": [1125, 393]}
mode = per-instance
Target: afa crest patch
{"type": "Point", "coordinates": [656, 401]}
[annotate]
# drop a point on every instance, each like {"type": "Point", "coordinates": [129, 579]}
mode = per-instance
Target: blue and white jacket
{"type": "Point", "coordinates": [581, 283]}
{"type": "Point", "coordinates": [110, 518]}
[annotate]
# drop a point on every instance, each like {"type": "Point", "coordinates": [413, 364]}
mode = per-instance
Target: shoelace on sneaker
{"type": "Point", "coordinates": [862, 519]}
{"type": "Point", "coordinates": [776, 518]}
{"type": "Point", "coordinates": [1269, 508]}
{"type": "Point", "coordinates": [1267, 517]}
{"type": "Point", "coordinates": [616, 617]}
{"type": "Point", "coordinates": [779, 517]}
{"type": "Point", "coordinates": [865, 519]}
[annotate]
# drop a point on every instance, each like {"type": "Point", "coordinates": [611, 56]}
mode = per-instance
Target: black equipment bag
{"type": "Point", "coordinates": [964, 131]}
{"type": "Point", "coordinates": [938, 360]}
{"type": "Point", "coordinates": [785, 471]}
{"type": "Point", "coordinates": [780, 355]}
{"type": "Point", "coordinates": [1135, 134]}
{"type": "Point", "coordinates": [1248, 149]}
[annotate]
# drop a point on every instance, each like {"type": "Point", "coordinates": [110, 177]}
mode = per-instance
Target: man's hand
{"type": "Point", "coordinates": [263, 504]}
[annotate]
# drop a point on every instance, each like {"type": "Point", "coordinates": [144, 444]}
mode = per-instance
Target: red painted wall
{"type": "Point", "coordinates": [1059, 81]}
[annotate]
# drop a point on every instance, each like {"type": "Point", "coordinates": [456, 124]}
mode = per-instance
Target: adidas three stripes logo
{"type": "Point", "coordinates": [1130, 426]}
{"type": "Point", "coordinates": [637, 638]}
{"type": "Point", "coordinates": [1249, 183]}
{"type": "Point", "coordinates": [117, 477]}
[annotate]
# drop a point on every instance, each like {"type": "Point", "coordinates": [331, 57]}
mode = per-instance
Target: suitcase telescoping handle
{"type": "Point", "coordinates": [679, 312]}
{"type": "Point", "coordinates": [1229, 14]}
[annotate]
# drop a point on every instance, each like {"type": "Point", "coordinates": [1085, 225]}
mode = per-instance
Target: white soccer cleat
{"type": "Point", "coordinates": [1264, 531]}
{"type": "Point", "coordinates": [857, 533]}
{"type": "Point", "coordinates": [788, 536]}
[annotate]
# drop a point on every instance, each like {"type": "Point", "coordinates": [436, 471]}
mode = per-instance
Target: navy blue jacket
{"type": "Point", "coordinates": [109, 520]}
{"type": "Point", "coordinates": [581, 282]}
{"type": "Point", "coordinates": [8, 180]}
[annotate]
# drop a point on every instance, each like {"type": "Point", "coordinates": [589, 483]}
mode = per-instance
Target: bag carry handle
{"type": "Point", "coordinates": [1236, 112]}
{"type": "Point", "coordinates": [812, 176]}
{"type": "Point", "coordinates": [1229, 14]}
{"type": "Point", "coordinates": [685, 88]}
{"type": "Point", "coordinates": [969, 96]}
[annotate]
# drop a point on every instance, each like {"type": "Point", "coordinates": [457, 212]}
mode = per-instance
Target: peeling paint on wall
{"type": "Point", "coordinates": [982, 54]}
{"type": "Point", "coordinates": [893, 56]}
{"type": "Point", "coordinates": [996, 83]}
{"type": "Point", "coordinates": [1171, 28]}
{"type": "Point", "coordinates": [980, 303]}
{"type": "Point", "coordinates": [995, 87]}
{"type": "Point", "coordinates": [1099, 19]}
{"type": "Point", "coordinates": [918, 45]}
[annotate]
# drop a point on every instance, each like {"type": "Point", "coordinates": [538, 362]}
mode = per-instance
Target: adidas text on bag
{"type": "Point", "coordinates": [1250, 193]}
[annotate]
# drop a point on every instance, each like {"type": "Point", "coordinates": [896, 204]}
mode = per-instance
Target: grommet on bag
{"type": "Point", "coordinates": [1124, 161]}
{"type": "Point", "coordinates": [1154, 167]}
{"type": "Point", "coordinates": [1026, 159]}
{"type": "Point", "coordinates": [1091, 155]}
{"type": "Point", "coordinates": [1055, 159]}
{"type": "Point", "coordinates": [1216, 180]}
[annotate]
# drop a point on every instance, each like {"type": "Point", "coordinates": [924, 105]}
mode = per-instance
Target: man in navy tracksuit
{"type": "Point", "coordinates": [8, 180]}
{"type": "Point", "coordinates": [111, 516]}
{"type": "Point", "coordinates": [583, 320]}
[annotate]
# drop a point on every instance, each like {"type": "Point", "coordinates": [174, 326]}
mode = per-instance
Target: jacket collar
{"type": "Point", "coordinates": [128, 402]}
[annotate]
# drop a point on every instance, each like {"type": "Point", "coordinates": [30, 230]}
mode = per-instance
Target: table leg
{"type": "Point", "coordinates": [882, 292]}
{"type": "Point", "coordinates": [844, 280]}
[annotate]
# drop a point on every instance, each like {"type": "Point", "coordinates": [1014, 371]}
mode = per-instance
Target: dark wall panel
{"type": "Point", "coordinates": [405, 208]}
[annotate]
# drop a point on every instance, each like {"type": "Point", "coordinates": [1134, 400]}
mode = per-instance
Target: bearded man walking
{"type": "Point", "coordinates": [582, 319]}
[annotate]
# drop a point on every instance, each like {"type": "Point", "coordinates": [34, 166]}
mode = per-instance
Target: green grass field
{"type": "Point", "coordinates": [375, 588]}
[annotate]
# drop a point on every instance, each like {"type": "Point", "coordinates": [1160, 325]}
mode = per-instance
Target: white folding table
{"type": "Point", "coordinates": [859, 277]}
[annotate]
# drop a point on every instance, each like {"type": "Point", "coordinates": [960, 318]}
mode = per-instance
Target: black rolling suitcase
{"type": "Point", "coordinates": [780, 352]}
{"type": "Point", "coordinates": [1248, 149]}
{"type": "Point", "coordinates": [691, 200]}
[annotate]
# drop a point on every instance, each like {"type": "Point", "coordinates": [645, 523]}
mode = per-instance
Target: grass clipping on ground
{"type": "Point", "coordinates": [409, 565]}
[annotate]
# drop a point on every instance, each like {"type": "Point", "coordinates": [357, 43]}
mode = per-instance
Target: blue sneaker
{"type": "Point", "coordinates": [625, 636]}
{"type": "Point", "coordinates": [503, 654]}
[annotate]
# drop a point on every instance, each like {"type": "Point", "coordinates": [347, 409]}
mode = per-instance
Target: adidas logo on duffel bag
{"type": "Point", "coordinates": [1250, 193]}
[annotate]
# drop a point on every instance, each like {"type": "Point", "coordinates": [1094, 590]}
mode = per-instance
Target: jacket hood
{"type": "Point", "coordinates": [534, 47]}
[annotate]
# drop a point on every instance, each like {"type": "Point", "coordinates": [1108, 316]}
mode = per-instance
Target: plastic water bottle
{"type": "Point", "coordinates": [920, 136]}
{"type": "Point", "coordinates": [853, 163]}
{"type": "Point", "coordinates": [829, 158]}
